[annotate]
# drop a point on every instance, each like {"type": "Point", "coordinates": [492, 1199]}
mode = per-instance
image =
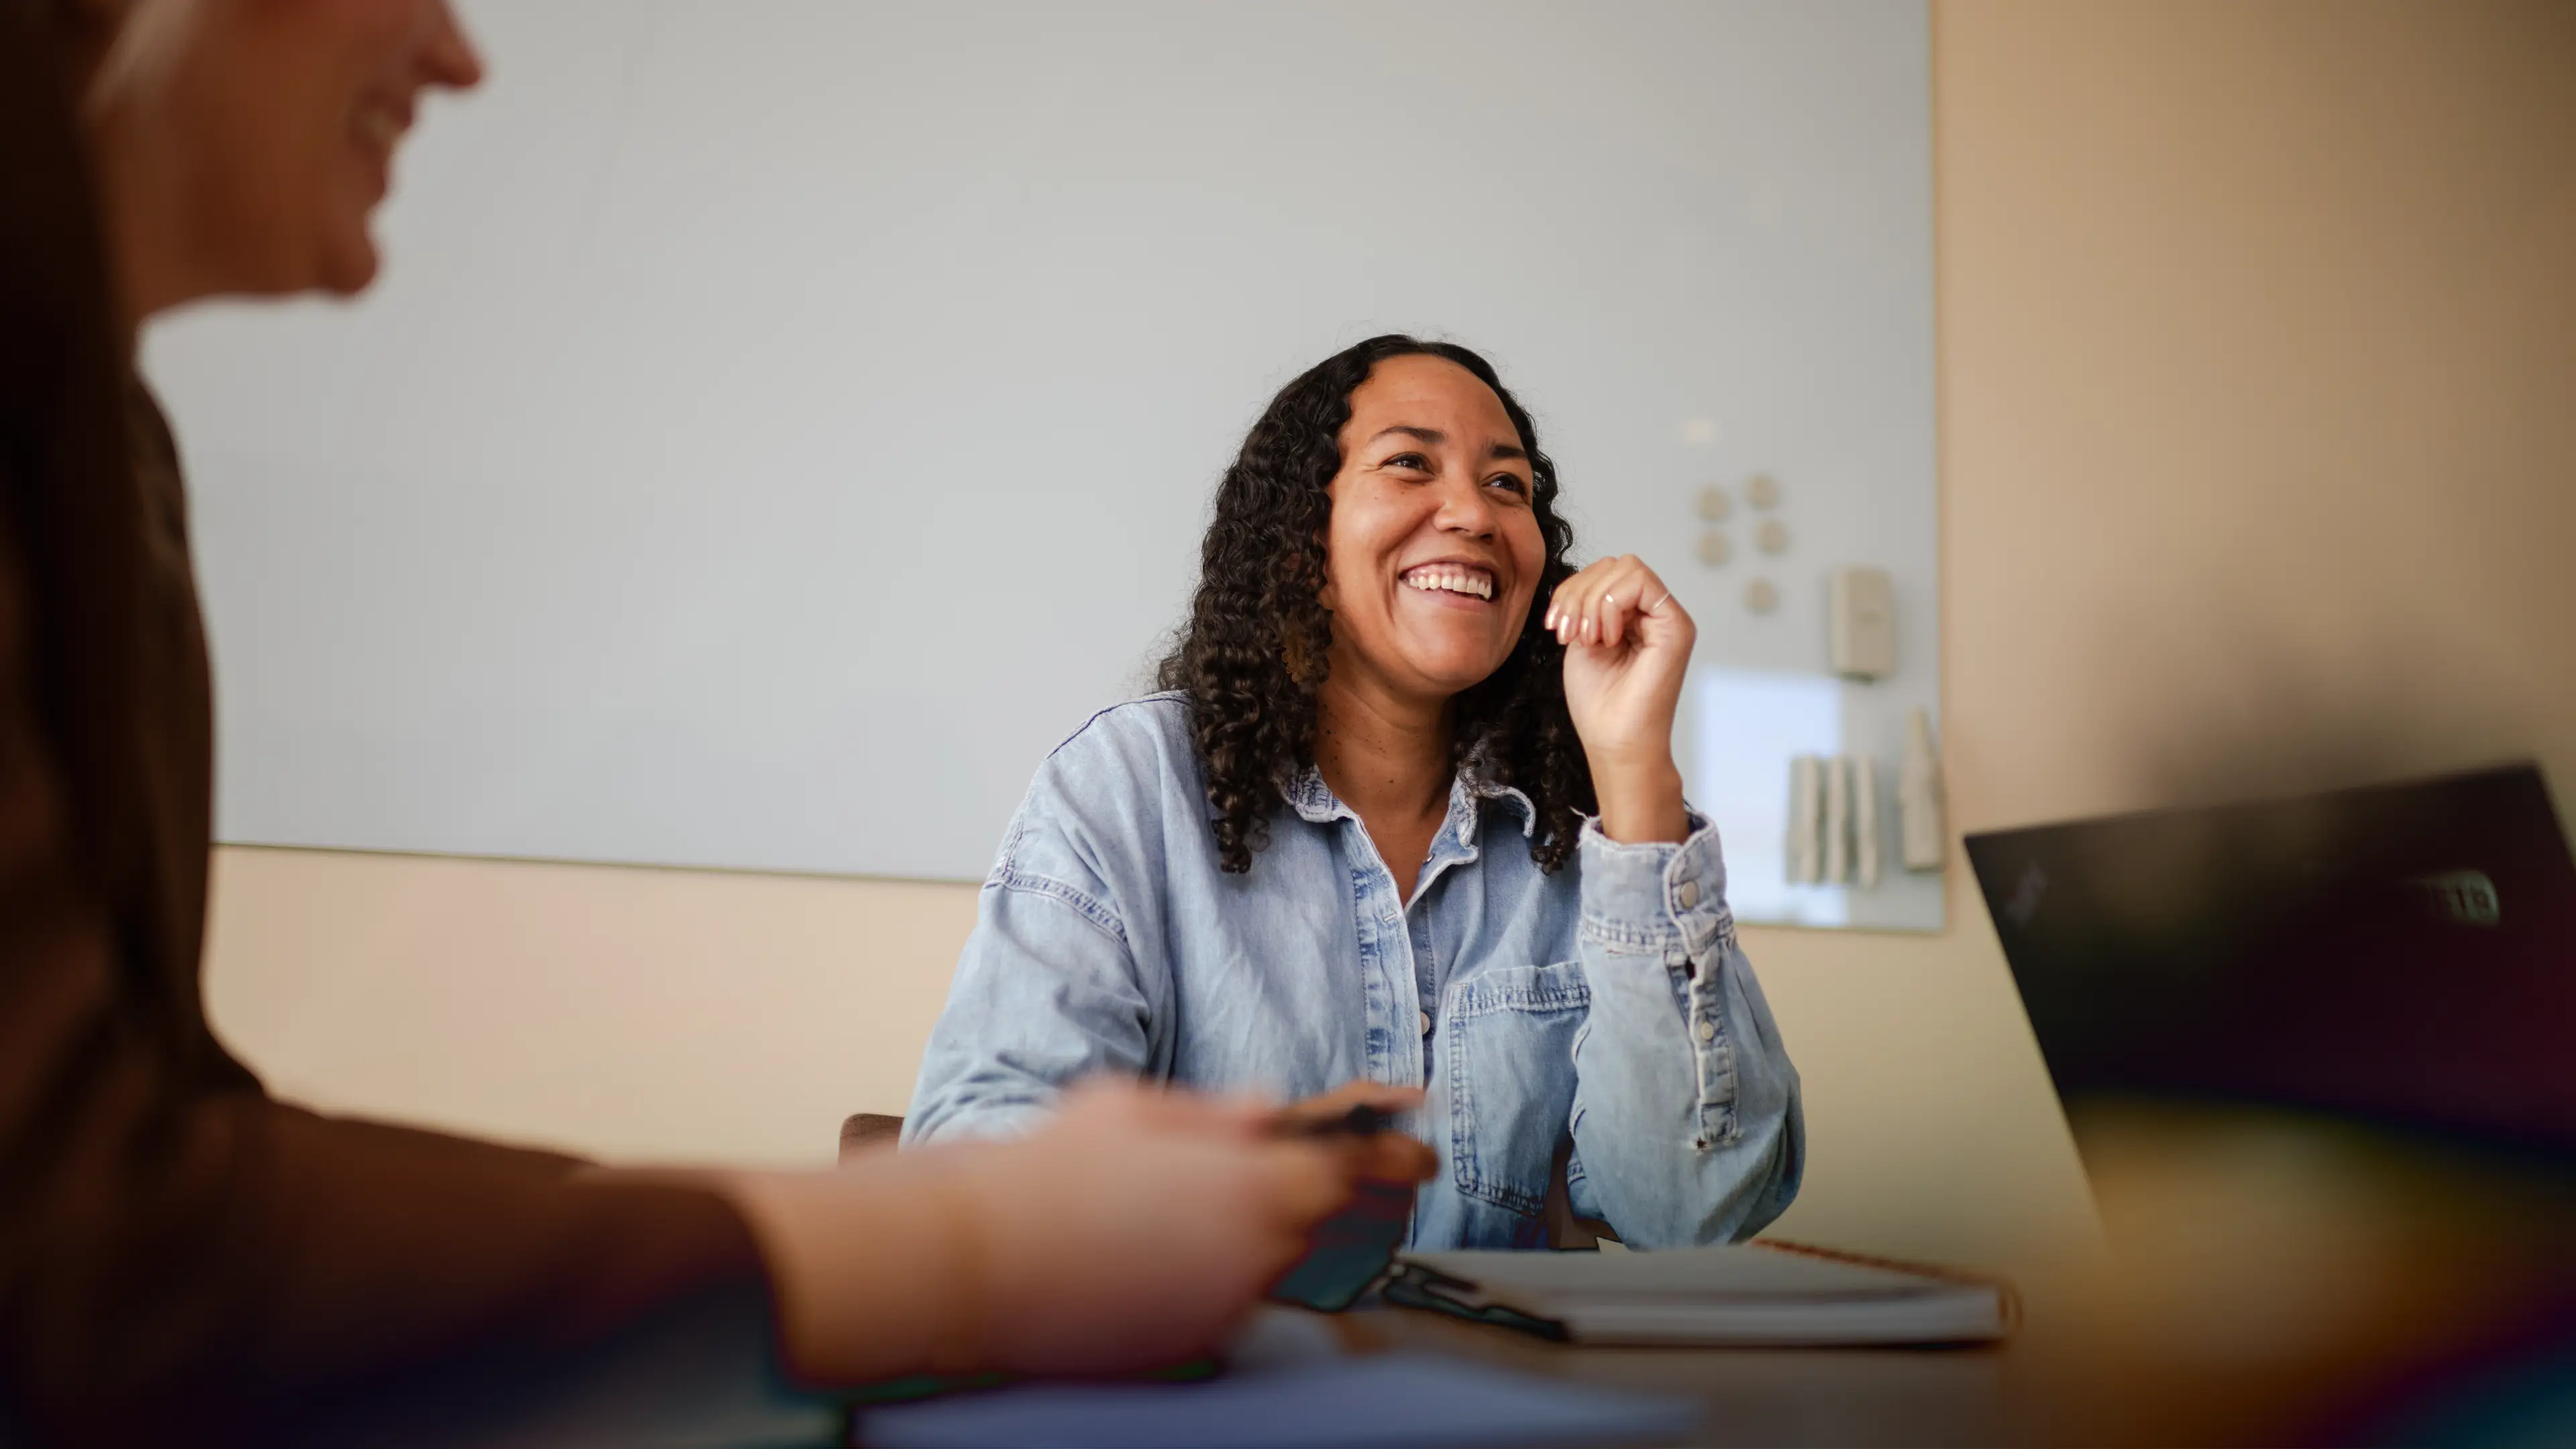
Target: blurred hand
{"type": "Point", "coordinates": [1139, 1226]}
{"type": "Point", "coordinates": [1627, 646]}
{"type": "Point", "coordinates": [1390, 1156]}
{"type": "Point", "coordinates": [1135, 1229]}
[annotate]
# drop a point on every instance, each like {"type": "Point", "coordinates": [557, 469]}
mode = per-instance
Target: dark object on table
{"type": "Point", "coordinates": [2403, 955]}
{"type": "Point", "coordinates": [1414, 1285]}
{"type": "Point", "coordinates": [1352, 1249]}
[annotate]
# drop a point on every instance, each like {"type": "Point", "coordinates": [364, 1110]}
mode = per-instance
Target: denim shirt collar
{"type": "Point", "coordinates": [1315, 803]}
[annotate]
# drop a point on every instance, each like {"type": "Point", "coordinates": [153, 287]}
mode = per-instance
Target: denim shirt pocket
{"type": "Point", "coordinates": [1511, 1078]}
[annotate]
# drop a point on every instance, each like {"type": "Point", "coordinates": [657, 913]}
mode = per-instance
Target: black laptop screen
{"type": "Point", "coordinates": [2404, 954]}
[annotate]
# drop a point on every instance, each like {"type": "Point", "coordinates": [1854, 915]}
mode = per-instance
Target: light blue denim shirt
{"type": "Point", "coordinates": [1608, 1001]}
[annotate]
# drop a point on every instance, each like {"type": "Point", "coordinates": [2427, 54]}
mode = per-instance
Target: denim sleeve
{"type": "Point", "coordinates": [1046, 992]}
{"type": "Point", "coordinates": [1687, 1127]}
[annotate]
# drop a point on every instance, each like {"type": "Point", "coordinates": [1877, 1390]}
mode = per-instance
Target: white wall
{"type": "Point", "coordinates": [2258, 468]}
{"type": "Point", "coordinates": [779, 425]}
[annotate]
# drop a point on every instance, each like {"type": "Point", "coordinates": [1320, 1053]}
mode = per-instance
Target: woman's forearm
{"type": "Point", "coordinates": [875, 1267]}
{"type": "Point", "coordinates": [1641, 802]}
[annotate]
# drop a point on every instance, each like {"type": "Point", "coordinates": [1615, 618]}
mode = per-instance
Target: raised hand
{"type": "Point", "coordinates": [1627, 646]}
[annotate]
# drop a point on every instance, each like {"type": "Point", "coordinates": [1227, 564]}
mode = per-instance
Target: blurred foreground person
{"type": "Point", "coordinates": [176, 1248]}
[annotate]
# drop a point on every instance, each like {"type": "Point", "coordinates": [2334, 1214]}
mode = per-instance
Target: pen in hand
{"type": "Point", "coordinates": [1362, 1120]}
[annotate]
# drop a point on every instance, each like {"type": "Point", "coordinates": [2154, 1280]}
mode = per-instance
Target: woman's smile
{"type": "Point", "coordinates": [1452, 584]}
{"type": "Point", "coordinates": [376, 129]}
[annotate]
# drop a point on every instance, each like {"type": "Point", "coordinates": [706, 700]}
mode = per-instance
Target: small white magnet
{"type": "Point", "coordinates": [1838, 820]}
{"type": "Point", "coordinates": [1865, 818]}
{"type": "Point", "coordinates": [1806, 820]}
{"type": "Point", "coordinates": [1918, 796]}
{"type": "Point", "coordinates": [1864, 623]}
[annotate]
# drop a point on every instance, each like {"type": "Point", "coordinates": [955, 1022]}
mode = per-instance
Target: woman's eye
{"type": "Point", "coordinates": [1410, 462]}
{"type": "Point", "coordinates": [1511, 483]}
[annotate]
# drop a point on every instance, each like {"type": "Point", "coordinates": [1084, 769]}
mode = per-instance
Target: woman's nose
{"type": "Point", "coordinates": [1465, 508]}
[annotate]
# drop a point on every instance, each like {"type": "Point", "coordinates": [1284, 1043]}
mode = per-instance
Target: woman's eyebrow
{"type": "Point", "coordinates": [1434, 437]}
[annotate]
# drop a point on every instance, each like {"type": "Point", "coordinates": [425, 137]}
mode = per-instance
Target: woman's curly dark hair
{"type": "Point", "coordinates": [1256, 646]}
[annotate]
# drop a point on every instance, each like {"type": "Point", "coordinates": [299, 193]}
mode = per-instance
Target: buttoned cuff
{"type": "Point", "coordinates": [1657, 894]}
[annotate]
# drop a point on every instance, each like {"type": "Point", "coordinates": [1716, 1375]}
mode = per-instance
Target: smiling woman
{"type": "Point", "coordinates": [216, 188]}
{"type": "Point", "coordinates": [1389, 660]}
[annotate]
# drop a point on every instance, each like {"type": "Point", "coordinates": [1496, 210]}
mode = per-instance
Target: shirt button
{"type": "Point", "coordinates": [1688, 895]}
{"type": "Point", "coordinates": [1426, 1021]}
{"type": "Point", "coordinates": [1707, 1029]}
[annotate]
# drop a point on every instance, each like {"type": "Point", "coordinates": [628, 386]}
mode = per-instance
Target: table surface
{"type": "Point", "coordinates": [708, 1384]}
{"type": "Point", "coordinates": [1749, 1396]}
{"type": "Point", "coordinates": [2270, 1282]}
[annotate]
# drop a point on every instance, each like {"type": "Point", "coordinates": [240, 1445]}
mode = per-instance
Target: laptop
{"type": "Point", "coordinates": [2404, 955]}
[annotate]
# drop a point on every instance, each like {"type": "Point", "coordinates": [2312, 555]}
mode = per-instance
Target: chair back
{"type": "Point", "coordinates": [861, 1131]}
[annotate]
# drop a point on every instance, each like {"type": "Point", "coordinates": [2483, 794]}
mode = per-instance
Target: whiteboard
{"type": "Point", "coordinates": [780, 423]}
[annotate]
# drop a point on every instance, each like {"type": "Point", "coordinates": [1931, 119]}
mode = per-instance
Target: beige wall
{"type": "Point", "coordinates": [2258, 415]}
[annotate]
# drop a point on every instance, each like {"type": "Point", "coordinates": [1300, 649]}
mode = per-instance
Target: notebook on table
{"type": "Point", "coordinates": [1757, 1294]}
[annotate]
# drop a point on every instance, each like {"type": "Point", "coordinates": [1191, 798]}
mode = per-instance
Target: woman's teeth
{"type": "Point", "coordinates": [1474, 583]}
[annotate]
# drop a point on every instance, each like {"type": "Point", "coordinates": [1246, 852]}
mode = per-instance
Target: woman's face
{"type": "Point", "coordinates": [271, 126]}
{"type": "Point", "coordinates": [1434, 552]}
